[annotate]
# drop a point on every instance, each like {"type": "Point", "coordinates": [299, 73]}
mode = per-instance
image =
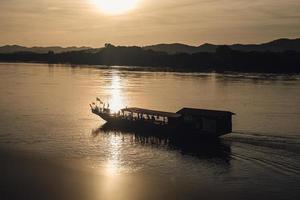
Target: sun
{"type": "Point", "coordinates": [115, 7]}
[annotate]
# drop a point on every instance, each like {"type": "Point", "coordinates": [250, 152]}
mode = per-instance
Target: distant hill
{"type": "Point", "coordinates": [224, 59]}
{"type": "Point", "coordinates": [55, 49]}
{"type": "Point", "coordinates": [279, 45]}
{"type": "Point", "coordinates": [173, 48]}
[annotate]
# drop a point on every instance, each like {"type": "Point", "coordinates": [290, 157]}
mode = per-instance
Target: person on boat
{"type": "Point", "coordinates": [150, 117]}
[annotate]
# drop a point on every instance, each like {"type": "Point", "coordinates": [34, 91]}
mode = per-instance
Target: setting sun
{"type": "Point", "coordinates": [115, 7]}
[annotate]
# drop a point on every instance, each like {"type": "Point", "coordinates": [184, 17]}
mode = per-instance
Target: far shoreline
{"type": "Point", "coordinates": [224, 59]}
{"type": "Point", "coordinates": [147, 68]}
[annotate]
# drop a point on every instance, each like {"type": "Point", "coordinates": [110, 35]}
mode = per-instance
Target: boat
{"type": "Point", "coordinates": [188, 121]}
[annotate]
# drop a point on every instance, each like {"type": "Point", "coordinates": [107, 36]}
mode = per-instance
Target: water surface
{"type": "Point", "coordinates": [45, 110]}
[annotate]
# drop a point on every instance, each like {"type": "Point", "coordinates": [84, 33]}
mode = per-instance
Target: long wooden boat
{"type": "Point", "coordinates": [211, 123]}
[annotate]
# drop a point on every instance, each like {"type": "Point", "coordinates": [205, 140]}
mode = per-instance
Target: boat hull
{"type": "Point", "coordinates": [135, 124]}
{"type": "Point", "coordinates": [149, 126]}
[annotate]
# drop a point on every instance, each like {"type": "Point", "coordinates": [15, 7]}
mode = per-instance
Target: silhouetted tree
{"type": "Point", "coordinates": [108, 45]}
{"type": "Point", "coordinates": [224, 59]}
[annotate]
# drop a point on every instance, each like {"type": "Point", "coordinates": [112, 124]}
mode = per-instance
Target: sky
{"type": "Point", "coordinates": [194, 22]}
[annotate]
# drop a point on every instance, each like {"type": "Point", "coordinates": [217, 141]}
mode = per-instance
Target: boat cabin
{"type": "Point", "coordinates": [207, 121]}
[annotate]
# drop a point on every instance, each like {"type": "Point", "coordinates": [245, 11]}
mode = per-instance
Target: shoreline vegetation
{"type": "Point", "coordinates": [223, 59]}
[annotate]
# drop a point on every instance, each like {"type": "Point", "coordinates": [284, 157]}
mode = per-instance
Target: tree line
{"type": "Point", "coordinates": [224, 59]}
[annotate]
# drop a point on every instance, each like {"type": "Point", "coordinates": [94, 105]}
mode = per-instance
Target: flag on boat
{"type": "Point", "coordinates": [99, 100]}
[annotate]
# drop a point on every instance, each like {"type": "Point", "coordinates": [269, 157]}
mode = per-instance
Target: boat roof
{"type": "Point", "coordinates": [204, 112]}
{"type": "Point", "coordinates": [151, 112]}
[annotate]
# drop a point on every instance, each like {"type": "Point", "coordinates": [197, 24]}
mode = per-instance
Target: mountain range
{"type": "Point", "coordinates": [223, 59]}
{"type": "Point", "coordinates": [56, 49]}
{"type": "Point", "coordinates": [279, 45]}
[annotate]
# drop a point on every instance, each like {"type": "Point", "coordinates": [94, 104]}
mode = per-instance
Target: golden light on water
{"type": "Point", "coordinates": [116, 100]}
{"type": "Point", "coordinates": [115, 7]}
{"type": "Point", "coordinates": [113, 165]}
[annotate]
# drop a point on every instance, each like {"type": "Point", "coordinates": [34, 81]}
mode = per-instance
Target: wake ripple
{"type": "Point", "coordinates": [280, 154]}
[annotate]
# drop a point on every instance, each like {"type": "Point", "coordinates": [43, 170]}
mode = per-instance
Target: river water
{"type": "Point", "coordinates": [45, 111]}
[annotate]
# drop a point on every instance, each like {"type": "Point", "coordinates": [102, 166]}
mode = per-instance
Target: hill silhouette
{"type": "Point", "coordinates": [55, 49]}
{"type": "Point", "coordinates": [224, 59]}
{"type": "Point", "coordinates": [279, 45]}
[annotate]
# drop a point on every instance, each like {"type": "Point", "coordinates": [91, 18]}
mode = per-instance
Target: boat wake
{"type": "Point", "coordinates": [276, 153]}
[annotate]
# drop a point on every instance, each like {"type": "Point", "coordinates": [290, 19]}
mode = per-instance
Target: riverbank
{"type": "Point", "coordinates": [224, 59]}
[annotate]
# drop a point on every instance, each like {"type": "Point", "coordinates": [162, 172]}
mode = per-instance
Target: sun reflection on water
{"type": "Point", "coordinates": [116, 100]}
{"type": "Point", "coordinates": [113, 165]}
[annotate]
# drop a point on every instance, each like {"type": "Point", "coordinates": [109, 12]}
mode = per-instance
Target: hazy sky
{"type": "Point", "coordinates": [81, 23]}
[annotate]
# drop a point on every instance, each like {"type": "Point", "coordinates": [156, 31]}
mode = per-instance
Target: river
{"type": "Point", "coordinates": [45, 111]}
